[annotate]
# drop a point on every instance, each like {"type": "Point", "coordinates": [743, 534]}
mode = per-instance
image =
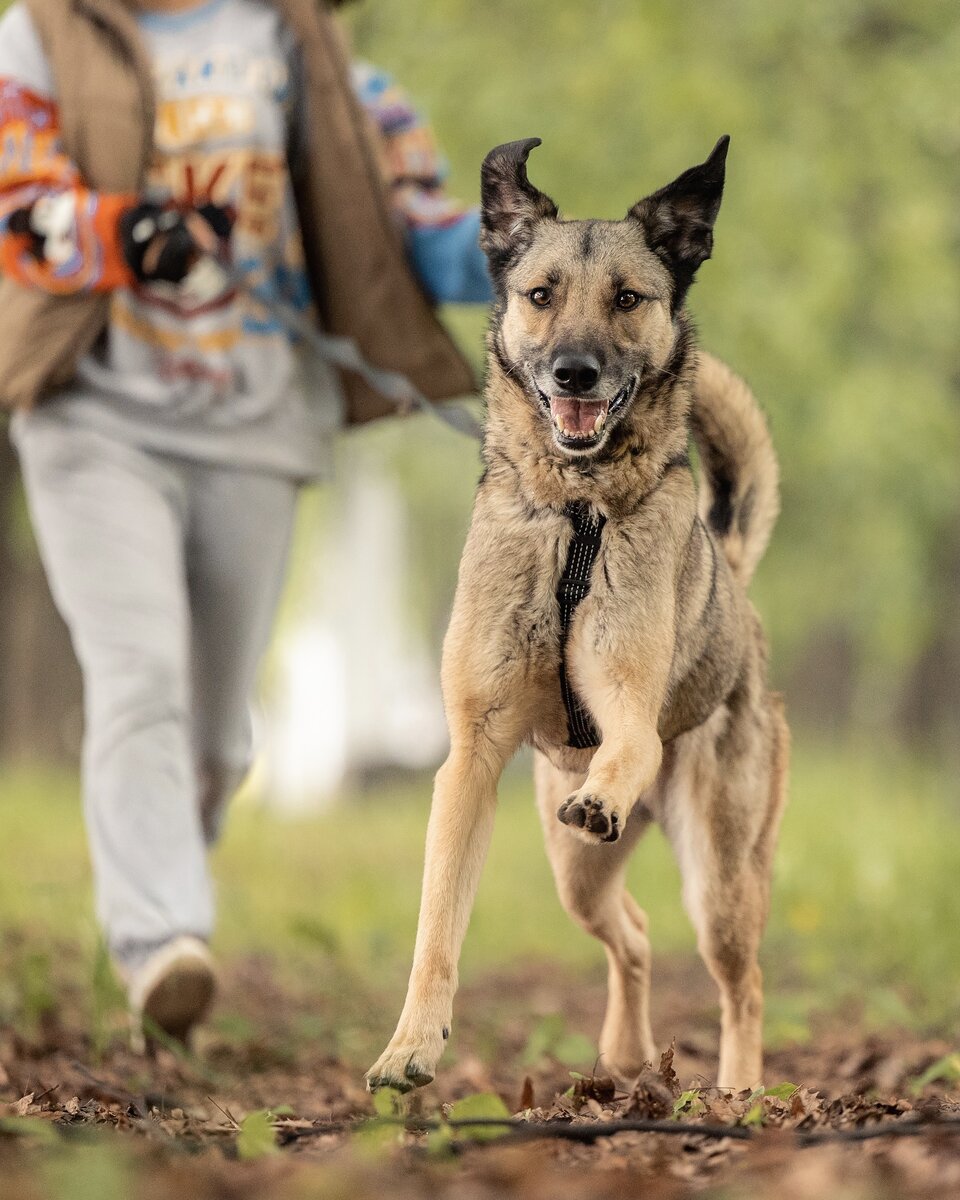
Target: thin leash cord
{"type": "Point", "coordinates": [342, 352]}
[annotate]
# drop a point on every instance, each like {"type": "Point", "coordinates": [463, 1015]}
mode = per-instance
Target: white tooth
{"type": "Point", "coordinates": [599, 422]}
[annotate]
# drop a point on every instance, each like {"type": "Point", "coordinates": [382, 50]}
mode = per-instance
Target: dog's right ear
{"type": "Point", "coordinates": [510, 204]}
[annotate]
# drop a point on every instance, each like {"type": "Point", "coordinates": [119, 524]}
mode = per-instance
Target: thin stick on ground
{"type": "Point", "coordinates": [226, 1112]}
{"type": "Point", "coordinates": [591, 1131]}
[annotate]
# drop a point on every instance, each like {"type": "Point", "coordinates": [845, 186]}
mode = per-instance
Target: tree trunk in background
{"type": "Point", "coordinates": [820, 686]}
{"type": "Point", "coordinates": [40, 693]}
{"type": "Point", "coordinates": [8, 485]}
{"type": "Point", "coordinates": [930, 708]}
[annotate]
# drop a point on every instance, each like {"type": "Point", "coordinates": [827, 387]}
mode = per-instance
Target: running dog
{"type": "Point", "coordinates": [601, 613]}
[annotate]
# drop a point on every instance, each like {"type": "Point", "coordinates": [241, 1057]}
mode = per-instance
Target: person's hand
{"type": "Point", "coordinates": [50, 223]}
{"type": "Point", "coordinates": [184, 248]}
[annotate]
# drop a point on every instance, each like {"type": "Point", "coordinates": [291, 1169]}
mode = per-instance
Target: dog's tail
{"type": "Point", "coordinates": [739, 486]}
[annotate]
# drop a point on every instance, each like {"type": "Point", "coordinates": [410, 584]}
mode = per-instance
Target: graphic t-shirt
{"type": "Point", "coordinates": [217, 378]}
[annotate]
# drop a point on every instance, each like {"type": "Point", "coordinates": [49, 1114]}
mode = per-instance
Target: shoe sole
{"type": "Point", "coordinates": [180, 999]}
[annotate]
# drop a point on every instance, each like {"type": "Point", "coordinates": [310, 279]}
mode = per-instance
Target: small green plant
{"type": "Point", "coordinates": [944, 1070]}
{"type": "Point", "coordinates": [376, 1136]}
{"type": "Point", "coordinates": [256, 1137]}
{"type": "Point", "coordinates": [482, 1107]}
{"type": "Point", "coordinates": [688, 1104]}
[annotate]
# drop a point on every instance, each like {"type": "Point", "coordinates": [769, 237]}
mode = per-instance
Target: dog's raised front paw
{"type": "Point", "coordinates": [591, 816]}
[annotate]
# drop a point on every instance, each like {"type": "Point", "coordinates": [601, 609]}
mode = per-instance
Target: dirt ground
{"type": "Point", "coordinates": [173, 1126]}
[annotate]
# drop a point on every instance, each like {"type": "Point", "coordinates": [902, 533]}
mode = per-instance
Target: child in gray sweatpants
{"type": "Point", "coordinates": [162, 479]}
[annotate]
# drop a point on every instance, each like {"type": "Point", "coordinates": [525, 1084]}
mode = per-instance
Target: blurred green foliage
{"type": "Point", "coordinates": [834, 286]}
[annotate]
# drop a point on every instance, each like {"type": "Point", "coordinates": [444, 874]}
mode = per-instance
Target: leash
{"type": "Point", "coordinates": [574, 584]}
{"type": "Point", "coordinates": [343, 352]}
{"type": "Point", "coordinates": [573, 587]}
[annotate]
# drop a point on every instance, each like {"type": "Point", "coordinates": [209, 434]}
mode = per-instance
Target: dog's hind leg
{"type": "Point", "coordinates": [590, 883]}
{"type": "Point", "coordinates": [721, 814]}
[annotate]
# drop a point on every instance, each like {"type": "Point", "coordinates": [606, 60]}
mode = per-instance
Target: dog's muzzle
{"type": "Point", "coordinates": [579, 423]}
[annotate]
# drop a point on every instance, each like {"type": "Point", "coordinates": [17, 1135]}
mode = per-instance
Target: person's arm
{"type": "Point", "coordinates": [55, 233]}
{"type": "Point", "coordinates": [59, 235]}
{"type": "Point", "coordinates": [442, 233]}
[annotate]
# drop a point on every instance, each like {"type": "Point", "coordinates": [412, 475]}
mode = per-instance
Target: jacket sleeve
{"type": "Point", "coordinates": [74, 245]}
{"type": "Point", "coordinates": [442, 233]}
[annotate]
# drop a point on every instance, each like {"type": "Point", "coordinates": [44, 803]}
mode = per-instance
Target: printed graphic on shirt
{"type": "Point", "coordinates": [220, 138]}
{"type": "Point", "coordinates": [183, 123]}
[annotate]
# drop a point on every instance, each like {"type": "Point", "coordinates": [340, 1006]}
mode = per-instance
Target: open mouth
{"type": "Point", "coordinates": [580, 423]}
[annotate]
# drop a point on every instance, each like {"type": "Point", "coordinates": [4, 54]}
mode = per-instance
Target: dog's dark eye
{"type": "Point", "coordinates": [540, 297]}
{"type": "Point", "coordinates": [627, 300]}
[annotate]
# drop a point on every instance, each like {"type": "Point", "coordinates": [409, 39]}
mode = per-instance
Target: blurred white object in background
{"type": "Point", "coordinates": [305, 726]}
{"type": "Point", "coordinates": [355, 691]}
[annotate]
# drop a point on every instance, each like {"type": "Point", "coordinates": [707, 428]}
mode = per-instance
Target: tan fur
{"type": "Point", "coordinates": [665, 652]}
{"type": "Point", "coordinates": [727, 421]}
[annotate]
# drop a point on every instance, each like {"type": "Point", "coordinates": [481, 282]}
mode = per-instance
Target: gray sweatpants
{"type": "Point", "coordinates": [167, 573]}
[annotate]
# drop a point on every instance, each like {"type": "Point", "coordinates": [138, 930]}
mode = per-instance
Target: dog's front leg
{"type": "Point", "coordinates": [627, 761]}
{"type": "Point", "coordinates": [458, 836]}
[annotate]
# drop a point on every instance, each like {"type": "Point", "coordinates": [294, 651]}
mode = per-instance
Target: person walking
{"type": "Point", "coordinates": [153, 153]}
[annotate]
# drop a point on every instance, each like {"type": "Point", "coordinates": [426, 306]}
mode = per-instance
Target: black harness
{"type": "Point", "coordinates": [574, 585]}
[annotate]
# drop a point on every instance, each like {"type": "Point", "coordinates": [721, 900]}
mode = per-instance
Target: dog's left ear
{"type": "Point", "coordinates": [510, 205]}
{"type": "Point", "coordinates": [678, 219]}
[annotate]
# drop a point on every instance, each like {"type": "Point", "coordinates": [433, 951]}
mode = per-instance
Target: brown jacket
{"type": "Point", "coordinates": [355, 258]}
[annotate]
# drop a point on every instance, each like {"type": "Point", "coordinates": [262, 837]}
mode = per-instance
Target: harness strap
{"type": "Point", "coordinates": [574, 585]}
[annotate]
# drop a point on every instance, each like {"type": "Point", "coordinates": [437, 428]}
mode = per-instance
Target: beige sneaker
{"type": "Point", "coordinates": [173, 990]}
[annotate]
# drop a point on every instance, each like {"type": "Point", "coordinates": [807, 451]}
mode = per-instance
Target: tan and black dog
{"type": "Point", "coordinates": [601, 613]}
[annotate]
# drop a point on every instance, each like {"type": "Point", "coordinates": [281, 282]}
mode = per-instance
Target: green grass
{"type": "Point", "coordinates": [866, 906]}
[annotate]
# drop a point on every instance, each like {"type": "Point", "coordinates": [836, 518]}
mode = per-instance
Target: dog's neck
{"type": "Point", "coordinates": [520, 455]}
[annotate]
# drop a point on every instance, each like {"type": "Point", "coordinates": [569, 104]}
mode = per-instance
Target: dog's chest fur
{"type": "Point", "coordinates": [512, 564]}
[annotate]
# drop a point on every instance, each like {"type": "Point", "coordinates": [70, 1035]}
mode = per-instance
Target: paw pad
{"type": "Point", "coordinates": [588, 812]}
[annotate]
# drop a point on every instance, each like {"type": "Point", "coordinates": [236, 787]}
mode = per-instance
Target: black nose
{"type": "Point", "coordinates": [576, 373]}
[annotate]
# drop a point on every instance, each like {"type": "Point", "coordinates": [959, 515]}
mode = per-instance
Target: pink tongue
{"type": "Point", "coordinates": [579, 416]}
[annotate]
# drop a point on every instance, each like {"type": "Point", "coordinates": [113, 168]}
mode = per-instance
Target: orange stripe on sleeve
{"type": "Point", "coordinates": [33, 165]}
